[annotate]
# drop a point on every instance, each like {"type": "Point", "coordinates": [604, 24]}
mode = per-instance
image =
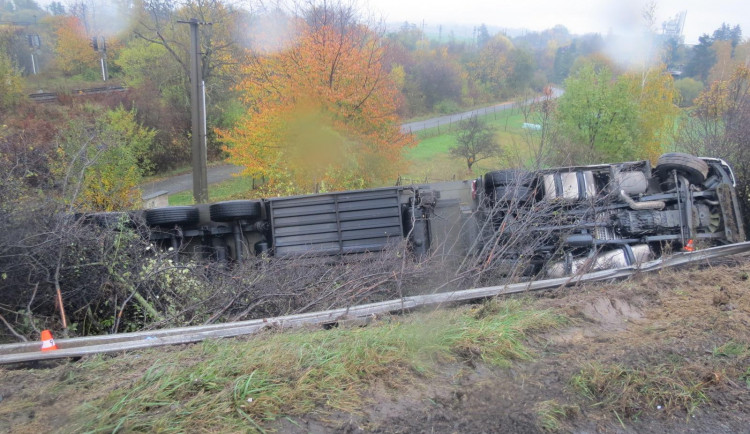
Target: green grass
{"type": "Point", "coordinates": [63, 84]}
{"type": "Point", "coordinates": [431, 158]}
{"type": "Point", "coordinates": [552, 416]}
{"type": "Point", "coordinates": [732, 349]}
{"type": "Point", "coordinates": [234, 188]}
{"type": "Point", "coordinates": [461, 109]}
{"type": "Point", "coordinates": [628, 392]}
{"type": "Point", "coordinates": [236, 385]}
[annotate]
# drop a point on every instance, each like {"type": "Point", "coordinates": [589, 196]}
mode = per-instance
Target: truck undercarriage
{"type": "Point", "coordinates": [551, 222]}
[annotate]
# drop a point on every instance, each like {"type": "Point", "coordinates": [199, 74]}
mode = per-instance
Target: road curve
{"type": "Point", "coordinates": [176, 184]}
{"type": "Point", "coordinates": [413, 127]}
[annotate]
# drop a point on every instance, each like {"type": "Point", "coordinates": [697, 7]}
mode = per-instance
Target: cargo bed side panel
{"type": "Point", "coordinates": [336, 223]}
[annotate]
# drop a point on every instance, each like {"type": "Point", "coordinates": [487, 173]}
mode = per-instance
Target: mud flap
{"type": "Point", "coordinates": [733, 229]}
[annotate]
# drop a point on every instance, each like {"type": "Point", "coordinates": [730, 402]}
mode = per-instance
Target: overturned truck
{"type": "Point", "coordinates": [553, 221]}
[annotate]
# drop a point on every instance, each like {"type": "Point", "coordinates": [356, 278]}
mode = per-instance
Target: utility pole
{"type": "Point", "coordinates": [198, 104]}
{"type": "Point", "coordinates": [34, 44]}
{"type": "Point", "coordinates": [100, 45]}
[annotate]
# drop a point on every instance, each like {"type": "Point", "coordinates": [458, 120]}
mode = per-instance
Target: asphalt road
{"type": "Point", "coordinates": [180, 183]}
{"type": "Point", "coordinates": [413, 127]}
{"type": "Point", "coordinates": [216, 174]}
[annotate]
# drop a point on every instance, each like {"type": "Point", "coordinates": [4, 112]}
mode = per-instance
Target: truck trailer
{"type": "Point", "coordinates": [554, 222]}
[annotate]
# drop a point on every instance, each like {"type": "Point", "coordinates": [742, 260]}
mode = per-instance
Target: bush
{"type": "Point", "coordinates": [447, 106]}
{"type": "Point", "coordinates": [689, 90]}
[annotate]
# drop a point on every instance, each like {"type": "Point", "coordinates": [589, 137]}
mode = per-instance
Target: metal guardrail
{"type": "Point", "coordinates": [78, 347]}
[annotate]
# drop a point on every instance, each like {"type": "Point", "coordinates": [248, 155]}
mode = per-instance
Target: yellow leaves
{"type": "Point", "coordinates": [73, 52]}
{"type": "Point", "coordinates": [493, 67]}
{"type": "Point", "coordinates": [657, 110]}
{"type": "Point", "coordinates": [323, 106]}
{"type": "Point", "coordinates": [398, 76]}
{"type": "Point", "coordinates": [11, 83]}
{"type": "Point", "coordinates": [714, 103]}
{"type": "Point", "coordinates": [109, 190]}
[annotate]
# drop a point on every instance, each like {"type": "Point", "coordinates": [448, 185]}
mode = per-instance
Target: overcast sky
{"type": "Point", "coordinates": [579, 16]}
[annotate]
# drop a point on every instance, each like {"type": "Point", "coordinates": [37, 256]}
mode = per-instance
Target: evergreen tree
{"type": "Point", "coordinates": [702, 59]}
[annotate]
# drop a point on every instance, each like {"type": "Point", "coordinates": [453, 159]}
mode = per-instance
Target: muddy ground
{"type": "Point", "coordinates": [682, 336]}
{"type": "Point", "coordinates": [673, 322]}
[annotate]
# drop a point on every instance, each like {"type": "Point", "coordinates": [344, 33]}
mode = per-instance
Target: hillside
{"type": "Point", "coordinates": [666, 352]}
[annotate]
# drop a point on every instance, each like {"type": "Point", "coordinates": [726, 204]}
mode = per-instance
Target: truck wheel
{"type": "Point", "coordinates": [508, 185]}
{"type": "Point", "coordinates": [109, 220]}
{"type": "Point", "coordinates": [501, 178]}
{"type": "Point", "coordinates": [692, 168]}
{"type": "Point", "coordinates": [172, 215]}
{"type": "Point", "coordinates": [235, 210]}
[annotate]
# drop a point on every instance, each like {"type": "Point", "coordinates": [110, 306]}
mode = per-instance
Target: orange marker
{"type": "Point", "coordinates": [48, 344]}
{"type": "Point", "coordinates": [689, 246]}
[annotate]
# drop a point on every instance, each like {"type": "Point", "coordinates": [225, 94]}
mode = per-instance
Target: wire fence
{"type": "Point", "coordinates": [418, 180]}
{"type": "Point", "coordinates": [451, 123]}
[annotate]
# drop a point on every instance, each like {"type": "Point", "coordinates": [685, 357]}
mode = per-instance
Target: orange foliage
{"type": "Point", "coordinates": [73, 50]}
{"type": "Point", "coordinates": [322, 110]}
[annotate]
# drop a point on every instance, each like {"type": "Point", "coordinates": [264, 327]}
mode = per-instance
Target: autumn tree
{"type": "Point", "coordinates": [322, 110]}
{"type": "Point", "coordinates": [73, 52]}
{"type": "Point", "coordinates": [719, 126]}
{"type": "Point", "coordinates": [11, 82]}
{"type": "Point", "coordinates": [493, 67]}
{"type": "Point", "coordinates": [618, 118]}
{"type": "Point", "coordinates": [437, 78]}
{"type": "Point", "coordinates": [655, 96]}
{"type": "Point", "coordinates": [475, 141]}
{"type": "Point", "coordinates": [596, 112]}
{"type": "Point", "coordinates": [723, 66]}
{"type": "Point", "coordinates": [157, 62]}
{"type": "Point", "coordinates": [106, 159]}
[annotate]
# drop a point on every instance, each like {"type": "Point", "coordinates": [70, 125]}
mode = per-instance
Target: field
{"type": "Point", "coordinates": [431, 157]}
{"type": "Point", "coordinates": [662, 352]}
{"type": "Point", "coordinates": [429, 160]}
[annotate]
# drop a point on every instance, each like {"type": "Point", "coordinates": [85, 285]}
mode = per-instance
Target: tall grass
{"type": "Point", "coordinates": [236, 385]}
{"type": "Point", "coordinates": [628, 392]}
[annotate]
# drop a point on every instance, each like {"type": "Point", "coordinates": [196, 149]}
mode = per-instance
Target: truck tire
{"type": "Point", "coordinates": [691, 167]}
{"type": "Point", "coordinates": [508, 185]}
{"type": "Point", "coordinates": [234, 210]}
{"type": "Point", "coordinates": [109, 220]}
{"type": "Point", "coordinates": [501, 178]}
{"type": "Point", "coordinates": [172, 215]}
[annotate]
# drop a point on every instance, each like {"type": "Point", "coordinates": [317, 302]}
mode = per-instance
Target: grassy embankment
{"type": "Point", "coordinates": [662, 352]}
{"type": "Point", "coordinates": [236, 385]}
{"type": "Point", "coordinates": [430, 159]}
